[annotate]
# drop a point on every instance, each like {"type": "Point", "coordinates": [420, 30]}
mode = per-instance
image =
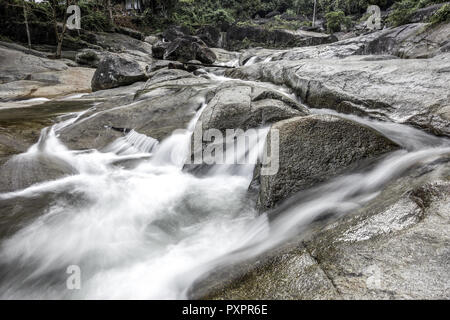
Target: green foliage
{"type": "Point", "coordinates": [351, 6]}
{"type": "Point", "coordinates": [95, 21]}
{"type": "Point", "coordinates": [220, 16]}
{"type": "Point", "coordinates": [4, 38]}
{"type": "Point", "coordinates": [335, 21]}
{"type": "Point", "coordinates": [442, 15]}
{"type": "Point", "coordinates": [404, 10]}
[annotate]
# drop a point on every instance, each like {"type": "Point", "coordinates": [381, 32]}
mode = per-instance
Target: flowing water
{"type": "Point", "coordinates": [152, 230]}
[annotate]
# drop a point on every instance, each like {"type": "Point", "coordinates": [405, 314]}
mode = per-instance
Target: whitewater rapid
{"type": "Point", "coordinates": [151, 230]}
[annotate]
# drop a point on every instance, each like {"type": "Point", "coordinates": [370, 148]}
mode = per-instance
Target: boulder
{"type": "Point", "coordinates": [151, 39]}
{"type": "Point", "coordinates": [408, 41]}
{"type": "Point", "coordinates": [48, 84]}
{"type": "Point", "coordinates": [210, 35]}
{"type": "Point", "coordinates": [115, 71]}
{"type": "Point", "coordinates": [415, 40]}
{"type": "Point", "coordinates": [410, 91]}
{"type": "Point", "coordinates": [167, 101]}
{"type": "Point", "coordinates": [189, 48]}
{"type": "Point", "coordinates": [131, 32]}
{"type": "Point", "coordinates": [240, 106]}
{"type": "Point", "coordinates": [241, 37]}
{"type": "Point", "coordinates": [159, 49]}
{"type": "Point", "coordinates": [314, 149]}
{"type": "Point", "coordinates": [225, 57]}
{"type": "Point", "coordinates": [24, 170]}
{"type": "Point", "coordinates": [175, 32]}
{"type": "Point", "coordinates": [272, 14]}
{"type": "Point", "coordinates": [423, 14]}
{"type": "Point", "coordinates": [17, 65]}
{"type": "Point", "coordinates": [394, 247]}
{"type": "Point", "coordinates": [157, 65]}
{"type": "Point", "coordinates": [119, 43]}
{"type": "Point", "coordinates": [243, 106]}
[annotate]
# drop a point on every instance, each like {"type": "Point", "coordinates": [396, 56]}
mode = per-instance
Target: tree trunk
{"type": "Point", "coordinates": [314, 14]}
{"type": "Point", "coordinates": [59, 37]}
{"type": "Point", "coordinates": [110, 12]}
{"type": "Point", "coordinates": [25, 15]}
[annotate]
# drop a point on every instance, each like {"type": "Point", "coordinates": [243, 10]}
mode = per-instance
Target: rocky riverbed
{"type": "Point", "coordinates": [359, 208]}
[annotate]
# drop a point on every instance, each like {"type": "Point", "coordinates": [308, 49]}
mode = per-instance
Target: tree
{"type": "Point", "coordinates": [108, 7]}
{"type": "Point", "coordinates": [314, 14]}
{"type": "Point", "coordinates": [25, 17]}
{"type": "Point", "coordinates": [59, 35]}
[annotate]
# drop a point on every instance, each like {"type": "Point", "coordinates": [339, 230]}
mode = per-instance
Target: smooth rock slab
{"type": "Point", "coordinates": [414, 91]}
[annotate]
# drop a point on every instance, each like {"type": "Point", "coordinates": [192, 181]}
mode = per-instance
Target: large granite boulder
{"type": "Point", "coordinates": [315, 149]}
{"type": "Point", "coordinates": [238, 107]}
{"type": "Point", "coordinates": [174, 32]}
{"type": "Point", "coordinates": [159, 48]}
{"type": "Point", "coordinates": [89, 57]}
{"type": "Point", "coordinates": [210, 35]}
{"type": "Point", "coordinates": [242, 37]}
{"type": "Point", "coordinates": [413, 91]}
{"type": "Point", "coordinates": [244, 106]}
{"type": "Point", "coordinates": [167, 101]}
{"type": "Point", "coordinates": [189, 48]}
{"type": "Point", "coordinates": [416, 40]}
{"type": "Point", "coordinates": [115, 71]}
{"type": "Point", "coordinates": [119, 43]}
{"type": "Point", "coordinates": [394, 247]}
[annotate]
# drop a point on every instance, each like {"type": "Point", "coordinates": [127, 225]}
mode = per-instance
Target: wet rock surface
{"type": "Point", "coordinates": [396, 247]}
{"type": "Point", "coordinates": [315, 149]}
{"type": "Point", "coordinates": [404, 91]}
{"type": "Point", "coordinates": [167, 101]}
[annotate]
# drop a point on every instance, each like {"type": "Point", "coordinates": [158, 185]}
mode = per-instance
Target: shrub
{"type": "Point", "coordinates": [404, 10]}
{"type": "Point", "coordinates": [442, 15]}
{"type": "Point", "coordinates": [95, 21]}
{"type": "Point", "coordinates": [220, 16]}
{"type": "Point", "coordinates": [335, 19]}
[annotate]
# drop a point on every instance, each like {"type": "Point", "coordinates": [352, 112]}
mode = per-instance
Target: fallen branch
{"type": "Point", "coordinates": [207, 65]}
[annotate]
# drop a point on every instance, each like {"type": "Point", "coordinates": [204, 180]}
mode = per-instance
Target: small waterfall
{"type": "Point", "coordinates": [251, 61]}
{"type": "Point", "coordinates": [223, 40]}
{"type": "Point", "coordinates": [133, 142]}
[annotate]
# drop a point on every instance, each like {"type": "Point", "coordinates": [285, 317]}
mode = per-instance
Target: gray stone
{"type": "Point", "coordinates": [189, 48]}
{"type": "Point", "coordinates": [243, 37]}
{"type": "Point", "coordinates": [314, 149]}
{"type": "Point", "coordinates": [115, 71]}
{"type": "Point", "coordinates": [168, 101]}
{"type": "Point", "coordinates": [414, 91]}
{"type": "Point", "coordinates": [159, 49]}
{"type": "Point", "coordinates": [17, 65]}
{"type": "Point", "coordinates": [395, 247]}
{"type": "Point", "coordinates": [151, 39]}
